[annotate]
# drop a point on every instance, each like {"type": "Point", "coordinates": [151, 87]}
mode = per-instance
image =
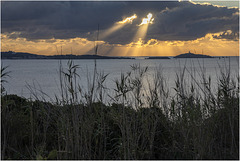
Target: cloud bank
{"type": "Point", "coordinates": [176, 21]}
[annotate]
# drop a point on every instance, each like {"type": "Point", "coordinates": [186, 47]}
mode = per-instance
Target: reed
{"type": "Point", "coordinates": [140, 121]}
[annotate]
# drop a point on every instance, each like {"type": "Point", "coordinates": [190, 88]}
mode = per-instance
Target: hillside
{"type": "Point", "coordinates": [20, 55]}
{"type": "Point", "coordinates": [191, 55]}
{"type": "Point", "coordinates": [158, 57]}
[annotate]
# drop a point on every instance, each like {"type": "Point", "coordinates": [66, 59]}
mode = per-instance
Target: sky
{"type": "Point", "coordinates": [120, 28]}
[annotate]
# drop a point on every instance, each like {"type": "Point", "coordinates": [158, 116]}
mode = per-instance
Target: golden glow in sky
{"type": "Point", "coordinates": [117, 26]}
{"type": "Point", "coordinates": [147, 20]}
{"type": "Point", "coordinates": [128, 19]}
{"type": "Point", "coordinates": [111, 30]}
{"type": "Point", "coordinates": [143, 27]}
{"type": "Point", "coordinates": [167, 32]}
{"type": "Point", "coordinates": [141, 33]}
{"type": "Point", "coordinates": [208, 44]}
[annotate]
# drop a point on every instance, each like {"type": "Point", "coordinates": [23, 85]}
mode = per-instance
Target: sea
{"type": "Point", "coordinates": [41, 77]}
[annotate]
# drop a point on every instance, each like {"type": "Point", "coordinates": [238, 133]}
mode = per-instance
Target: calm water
{"type": "Point", "coordinates": [43, 75]}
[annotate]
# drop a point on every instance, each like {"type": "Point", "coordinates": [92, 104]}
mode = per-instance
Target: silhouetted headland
{"type": "Point", "coordinates": [20, 55]}
{"type": "Point", "coordinates": [191, 55]}
{"type": "Point", "coordinates": [158, 57]}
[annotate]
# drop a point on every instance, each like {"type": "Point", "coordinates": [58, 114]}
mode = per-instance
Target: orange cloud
{"type": "Point", "coordinates": [208, 44]}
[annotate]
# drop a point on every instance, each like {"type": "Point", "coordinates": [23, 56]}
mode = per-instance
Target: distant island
{"type": "Point", "coordinates": [158, 57]}
{"type": "Point", "coordinates": [191, 55]}
{"type": "Point", "coordinates": [21, 55]}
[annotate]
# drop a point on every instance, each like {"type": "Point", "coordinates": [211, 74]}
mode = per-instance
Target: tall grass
{"type": "Point", "coordinates": [4, 75]}
{"type": "Point", "coordinates": [142, 120]}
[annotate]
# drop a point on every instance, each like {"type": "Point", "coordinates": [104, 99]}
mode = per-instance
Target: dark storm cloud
{"type": "Point", "coordinates": [53, 16]}
{"type": "Point", "coordinates": [44, 20]}
{"type": "Point", "coordinates": [173, 20]}
{"type": "Point", "coordinates": [193, 21]}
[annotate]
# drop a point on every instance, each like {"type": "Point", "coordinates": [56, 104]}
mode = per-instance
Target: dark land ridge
{"type": "Point", "coordinates": [20, 55]}
{"type": "Point", "coordinates": [191, 55]}
{"type": "Point", "coordinates": [158, 57]}
{"type": "Point", "coordinates": [23, 55]}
